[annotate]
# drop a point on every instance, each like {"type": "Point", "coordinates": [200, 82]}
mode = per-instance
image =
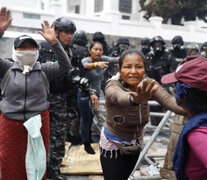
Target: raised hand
{"type": "Point", "coordinates": [5, 19]}
{"type": "Point", "coordinates": [48, 32]}
{"type": "Point", "coordinates": [144, 92]}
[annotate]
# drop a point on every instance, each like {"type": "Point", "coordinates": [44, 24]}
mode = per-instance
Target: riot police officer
{"type": "Point", "coordinates": [158, 62]}
{"type": "Point", "coordinates": [192, 49]}
{"type": "Point", "coordinates": [99, 37]}
{"type": "Point", "coordinates": [59, 90]}
{"type": "Point", "coordinates": [203, 49]}
{"type": "Point", "coordinates": [79, 50]}
{"type": "Point", "coordinates": [145, 46]}
{"type": "Point", "coordinates": [178, 51]}
{"type": "Point", "coordinates": [121, 46]}
{"type": "Point", "coordinates": [159, 59]}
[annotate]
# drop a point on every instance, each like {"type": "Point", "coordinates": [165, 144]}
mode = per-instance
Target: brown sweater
{"type": "Point", "coordinates": [127, 121]}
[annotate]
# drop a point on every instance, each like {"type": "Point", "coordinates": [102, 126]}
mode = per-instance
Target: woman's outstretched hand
{"type": "Point", "coordinates": [5, 19]}
{"type": "Point", "coordinates": [144, 92]}
{"type": "Point", "coordinates": [48, 32]}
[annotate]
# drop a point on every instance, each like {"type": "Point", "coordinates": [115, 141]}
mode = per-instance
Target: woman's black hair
{"type": "Point", "coordinates": [93, 44]}
{"type": "Point", "coordinates": [131, 51]}
{"type": "Point", "coordinates": [197, 98]}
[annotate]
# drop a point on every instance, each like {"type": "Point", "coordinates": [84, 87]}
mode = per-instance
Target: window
{"type": "Point", "coordinates": [125, 6]}
{"type": "Point", "coordinates": [125, 17]}
{"type": "Point", "coordinates": [98, 5]}
{"type": "Point", "coordinates": [77, 9]}
{"type": "Point", "coordinates": [31, 16]}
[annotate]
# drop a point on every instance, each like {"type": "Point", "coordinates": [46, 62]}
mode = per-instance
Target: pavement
{"type": "Point", "coordinates": [158, 147]}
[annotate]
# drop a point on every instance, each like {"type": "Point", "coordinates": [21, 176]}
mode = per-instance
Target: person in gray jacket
{"type": "Point", "coordinates": [25, 94]}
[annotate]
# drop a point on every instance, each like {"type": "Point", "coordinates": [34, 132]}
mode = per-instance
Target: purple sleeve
{"type": "Point", "coordinates": [197, 140]}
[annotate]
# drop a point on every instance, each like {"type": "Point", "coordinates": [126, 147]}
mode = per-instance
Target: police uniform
{"type": "Point", "coordinates": [59, 116]}
{"type": "Point", "coordinates": [79, 52]}
{"type": "Point", "coordinates": [157, 66]}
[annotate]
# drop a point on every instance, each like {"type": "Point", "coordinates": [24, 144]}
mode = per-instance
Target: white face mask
{"type": "Point", "coordinates": [26, 58]}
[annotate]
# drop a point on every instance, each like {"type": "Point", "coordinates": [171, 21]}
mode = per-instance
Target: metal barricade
{"type": "Point", "coordinates": [147, 147]}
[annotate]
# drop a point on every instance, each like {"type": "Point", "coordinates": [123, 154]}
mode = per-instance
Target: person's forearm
{"type": "Point", "coordinates": [90, 66]}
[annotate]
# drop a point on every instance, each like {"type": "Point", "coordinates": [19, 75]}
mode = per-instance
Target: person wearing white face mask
{"type": "Point", "coordinates": [25, 52]}
{"type": "Point", "coordinates": [24, 121]}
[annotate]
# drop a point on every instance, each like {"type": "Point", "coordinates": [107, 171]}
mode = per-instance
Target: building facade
{"type": "Point", "coordinates": [114, 18]}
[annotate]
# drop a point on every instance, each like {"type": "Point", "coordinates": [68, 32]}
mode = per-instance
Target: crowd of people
{"type": "Point", "coordinates": [49, 91]}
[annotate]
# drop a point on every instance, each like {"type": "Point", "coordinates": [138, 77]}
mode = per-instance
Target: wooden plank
{"type": "Point", "coordinates": [180, 119]}
{"type": "Point", "coordinates": [176, 128]}
{"type": "Point", "coordinates": [168, 174]}
{"type": "Point", "coordinates": [77, 161]}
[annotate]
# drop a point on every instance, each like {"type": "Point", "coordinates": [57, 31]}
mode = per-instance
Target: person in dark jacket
{"type": "Point", "coordinates": [79, 50]}
{"type": "Point", "coordinates": [190, 156]}
{"type": "Point", "coordinates": [99, 37]}
{"type": "Point", "coordinates": [192, 49]}
{"type": "Point", "coordinates": [121, 46]}
{"type": "Point", "coordinates": [145, 46]}
{"type": "Point", "coordinates": [159, 59]}
{"type": "Point", "coordinates": [203, 49]}
{"type": "Point", "coordinates": [159, 62]}
{"type": "Point", "coordinates": [25, 106]}
{"type": "Point", "coordinates": [60, 90]}
{"type": "Point", "coordinates": [178, 51]}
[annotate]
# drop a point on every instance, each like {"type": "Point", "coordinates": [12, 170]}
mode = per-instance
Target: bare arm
{"type": "Point", "coordinates": [100, 64]}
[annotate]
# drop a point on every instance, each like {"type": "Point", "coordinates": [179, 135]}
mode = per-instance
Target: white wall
{"type": "Point", "coordinates": [35, 4]}
{"type": "Point", "coordinates": [110, 25]}
{"type": "Point", "coordinates": [191, 32]}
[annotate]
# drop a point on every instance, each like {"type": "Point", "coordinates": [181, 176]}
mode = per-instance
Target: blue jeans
{"type": "Point", "coordinates": [86, 116]}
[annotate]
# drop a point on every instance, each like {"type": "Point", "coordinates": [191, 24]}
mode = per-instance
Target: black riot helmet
{"type": "Point", "coordinates": [98, 37]}
{"type": "Point", "coordinates": [80, 38]}
{"type": "Point", "coordinates": [145, 42]}
{"type": "Point", "coordinates": [122, 40]}
{"type": "Point", "coordinates": [157, 39]}
{"type": "Point", "coordinates": [177, 43]}
{"type": "Point", "coordinates": [122, 44]}
{"type": "Point", "coordinates": [65, 24]}
{"type": "Point", "coordinates": [157, 44]}
{"type": "Point", "coordinates": [177, 40]}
